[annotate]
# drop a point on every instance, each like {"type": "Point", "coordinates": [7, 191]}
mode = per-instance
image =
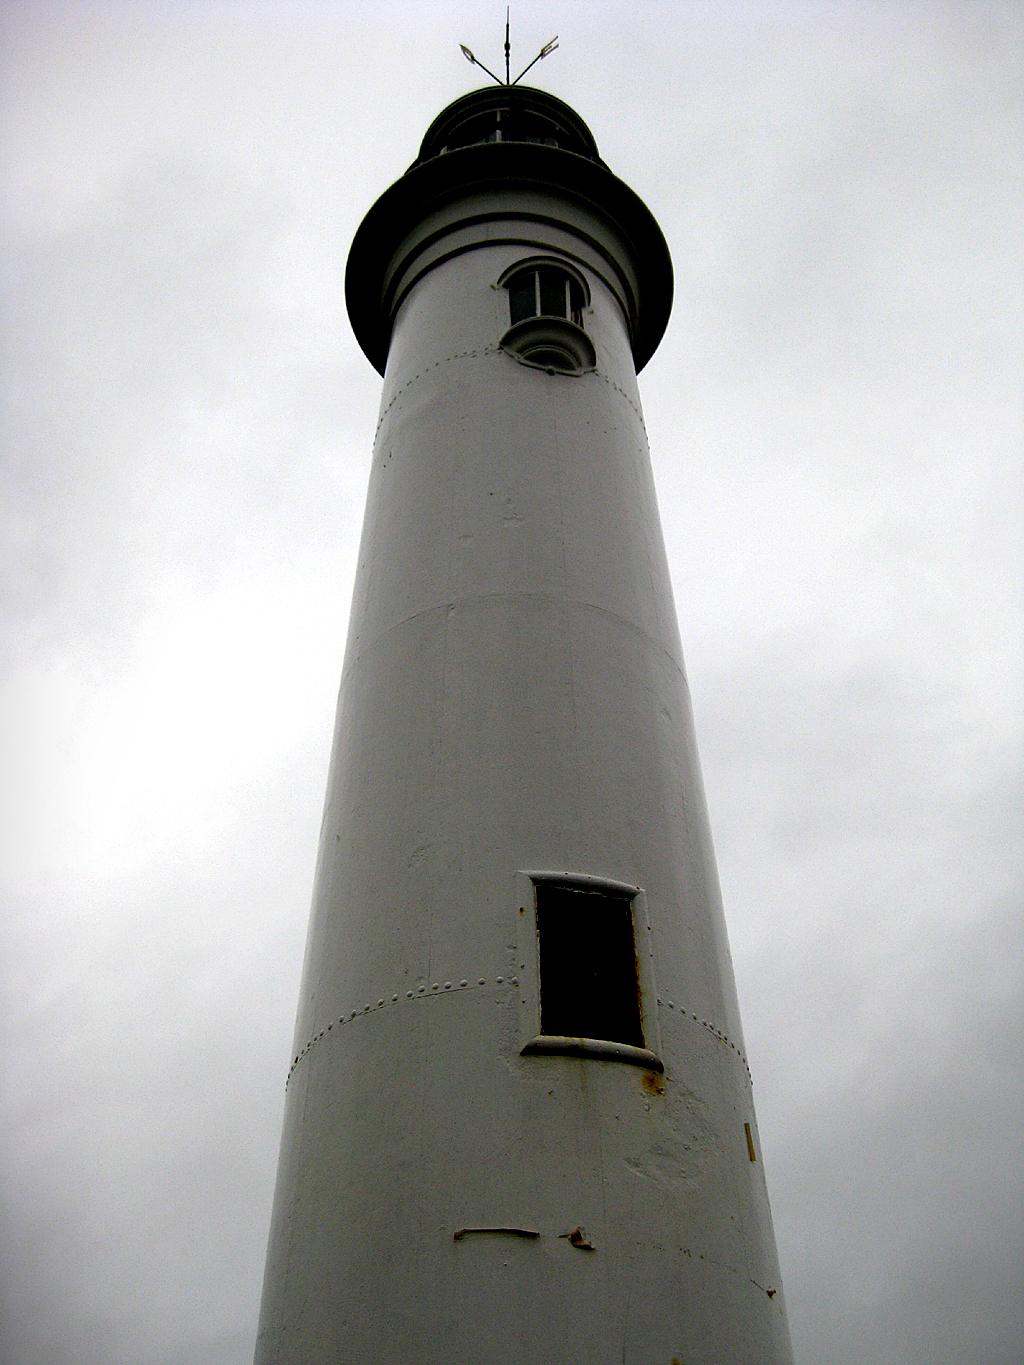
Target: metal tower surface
{"type": "Point", "coordinates": [519, 1126]}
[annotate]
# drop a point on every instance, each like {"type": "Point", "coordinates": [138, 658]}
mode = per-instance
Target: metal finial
{"type": "Point", "coordinates": [477, 62]}
{"type": "Point", "coordinates": [545, 51]}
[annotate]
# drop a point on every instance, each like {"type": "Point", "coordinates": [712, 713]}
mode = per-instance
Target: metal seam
{"type": "Point", "coordinates": [550, 598]}
{"type": "Point", "coordinates": [622, 392]}
{"type": "Point", "coordinates": [436, 988]}
{"type": "Point", "coordinates": [711, 1028]}
{"type": "Point", "coordinates": [394, 998]}
{"type": "Point", "coordinates": [482, 351]}
{"type": "Point", "coordinates": [458, 355]}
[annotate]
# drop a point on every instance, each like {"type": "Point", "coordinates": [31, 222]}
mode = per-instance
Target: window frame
{"type": "Point", "coordinates": [532, 1040]}
{"type": "Point", "coordinates": [534, 265]}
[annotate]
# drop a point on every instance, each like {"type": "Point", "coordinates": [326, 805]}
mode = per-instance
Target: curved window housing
{"type": "Point", "coordinates": [546, 302]}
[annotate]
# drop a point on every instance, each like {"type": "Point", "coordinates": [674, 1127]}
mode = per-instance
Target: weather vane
{"type": "Point", "coordinates": [545, 51]}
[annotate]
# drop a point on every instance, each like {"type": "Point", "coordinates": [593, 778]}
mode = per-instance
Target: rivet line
{"type": "Point", "coordinates": [711, 1028]}
{"type": "Point", "coordinates": [436, 987]}
{"type": "Point", "coordinates": [458, 355]}
{"type": "Point", "coordinates": [482, 351]}
{"type": "Point", "coordinates": [622, 393]}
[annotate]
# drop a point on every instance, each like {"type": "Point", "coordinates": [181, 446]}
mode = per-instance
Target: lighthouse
{"type": "Point", "coordinates": [519, 1127]}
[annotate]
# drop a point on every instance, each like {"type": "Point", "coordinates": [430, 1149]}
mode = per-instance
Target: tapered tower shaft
{"type": "Point", "coordinates": [519, 1124]}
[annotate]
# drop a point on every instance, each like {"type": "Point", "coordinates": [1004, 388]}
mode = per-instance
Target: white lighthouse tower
{"type": "Point", "coordinates": [519, 1125]}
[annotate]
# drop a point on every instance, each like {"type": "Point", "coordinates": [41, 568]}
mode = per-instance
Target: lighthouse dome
{"type": "Point", "coordinates": [508, 113]}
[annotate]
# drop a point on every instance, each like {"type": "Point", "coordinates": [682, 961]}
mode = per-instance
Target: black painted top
{"type": "Point", "coordinates": [500, 137]}
{"type": "Point", "coordinates": [508, 113]}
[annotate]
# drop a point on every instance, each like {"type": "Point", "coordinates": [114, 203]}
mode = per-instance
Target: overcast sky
{"type": "Point", "coordinates": [836, 424]}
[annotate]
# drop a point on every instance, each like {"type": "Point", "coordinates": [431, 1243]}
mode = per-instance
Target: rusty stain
{"type": "Point", "coordinates": [499, 1232]}
{"type": "Point", "coordinates": [579, 1239]}
{"type": "Point", "coordinates": [751, 1150]}
{"type": "Point", "coordinates": [653, 1083]}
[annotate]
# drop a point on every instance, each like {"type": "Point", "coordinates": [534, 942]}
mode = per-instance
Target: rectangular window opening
{"type": "Point", "coordinates": [553, 292]}
{"type": "Point", "coordinates": [589, 987]}
{"type": "Point", "coordinates": [522, 297]}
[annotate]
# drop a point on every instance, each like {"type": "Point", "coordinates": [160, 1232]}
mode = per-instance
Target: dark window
{"type": "Point", "coordinates": [554, 293]}
{"type": "Point", "coordinates": [545, 291]}
{"type": "Point", "coordinates": [588, 977]}
{"type": "Point", "coordinates": [509, 125]}
{"type": "Point", "coordinates": [522, 296]}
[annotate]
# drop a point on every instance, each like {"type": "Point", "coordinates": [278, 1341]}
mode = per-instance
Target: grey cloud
{"type": "Point", "coordinates": [836, 424]}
